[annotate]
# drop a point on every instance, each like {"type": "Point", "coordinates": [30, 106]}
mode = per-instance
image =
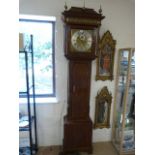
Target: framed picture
{"type": "Point", "coordinates": [105, 59]}
{"type": "Point", "coordinates": [102, 109]}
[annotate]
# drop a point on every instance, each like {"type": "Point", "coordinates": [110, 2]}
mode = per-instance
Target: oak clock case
{"type": "Point", "coordinates": [81, 26]}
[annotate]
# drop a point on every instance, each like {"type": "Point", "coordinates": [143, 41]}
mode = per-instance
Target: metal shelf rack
{"type": "Point", "coordinates": [29, 124]}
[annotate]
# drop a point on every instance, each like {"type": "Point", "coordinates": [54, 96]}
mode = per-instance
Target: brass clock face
{"type": "Point", "coordinates": [81, 40]}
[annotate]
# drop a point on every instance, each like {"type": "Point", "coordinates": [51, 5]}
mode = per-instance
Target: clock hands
{"type": "Point", "coordinates": [82, 42]}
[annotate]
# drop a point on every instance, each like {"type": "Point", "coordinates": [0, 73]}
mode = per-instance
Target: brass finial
{"type": "Point", "coordinates": [65, 6]}
{"type": "Point", "coordinates": [84, 4]}
{"type": "Point", "coordinates": [100, 10]}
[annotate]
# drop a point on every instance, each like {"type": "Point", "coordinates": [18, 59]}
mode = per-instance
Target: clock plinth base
{"type": "Point", "coordinates": [77, 136]}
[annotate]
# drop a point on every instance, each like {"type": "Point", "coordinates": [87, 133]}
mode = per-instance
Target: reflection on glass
{"type": "Point", "coordinates": [105, 64]}
{"type": "Point", "coordinates": [123, 129]}
{"type": "Point", "coordinates": [122, 79]}
{"type": "Point", "coordinates": [103, 111]}
{"type": "Point", "coordinates": [129, 138]}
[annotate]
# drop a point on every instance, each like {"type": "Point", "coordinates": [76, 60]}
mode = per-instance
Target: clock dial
{"type": "Point", "coordinates": [81, 40]}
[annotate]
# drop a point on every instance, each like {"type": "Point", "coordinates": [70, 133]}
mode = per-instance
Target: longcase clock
{"type": "Point", "coordinates": [81, 29]}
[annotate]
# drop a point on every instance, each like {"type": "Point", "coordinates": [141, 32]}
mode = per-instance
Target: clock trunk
{"type": "Point", "coordinates": [77, 123]}
{"type": "Point", "coordinates": [79, 90]}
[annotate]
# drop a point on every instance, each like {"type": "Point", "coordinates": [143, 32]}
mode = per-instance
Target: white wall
{"type": "Point", "coordinates": [119, 20]}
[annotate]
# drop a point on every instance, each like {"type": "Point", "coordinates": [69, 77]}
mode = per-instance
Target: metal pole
{"type": "Point", "coordinates": [33, 89]}
{"type": "Point", "coordinates": [28, 100]}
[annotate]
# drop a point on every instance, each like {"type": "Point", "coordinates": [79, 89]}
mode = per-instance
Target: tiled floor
{"type": "Point", "coordinates": [103, 148]}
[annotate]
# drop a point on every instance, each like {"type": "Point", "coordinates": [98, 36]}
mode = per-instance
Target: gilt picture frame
{"type": "Point", "coordinates": [102, 109]}
{"type": "Point", "coordinates": [105, 57]}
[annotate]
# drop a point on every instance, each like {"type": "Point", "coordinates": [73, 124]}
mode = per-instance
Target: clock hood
{"type": "Point", "coordinates": [87, 16]}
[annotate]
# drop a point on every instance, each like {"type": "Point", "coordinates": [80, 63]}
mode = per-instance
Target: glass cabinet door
{"type": "Point", "coordinates": [123, 124]}
{"type": "Point", "coordinates": [128, 142]}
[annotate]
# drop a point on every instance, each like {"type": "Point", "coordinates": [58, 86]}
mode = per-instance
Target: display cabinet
{"type": "Point", "coordinates": [123, 133]}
